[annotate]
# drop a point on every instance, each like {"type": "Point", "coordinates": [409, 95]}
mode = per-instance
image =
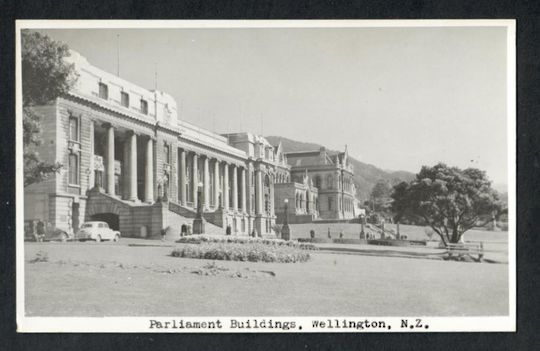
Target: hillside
{"type": "Point", "coordinates": [365, 175]}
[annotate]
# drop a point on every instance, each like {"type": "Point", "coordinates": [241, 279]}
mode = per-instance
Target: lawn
{"type": "Point", "coordinates": [114, 279]}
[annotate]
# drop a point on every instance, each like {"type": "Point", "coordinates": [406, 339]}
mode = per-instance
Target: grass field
{"type": "Point", "coordinates": [114, 279]}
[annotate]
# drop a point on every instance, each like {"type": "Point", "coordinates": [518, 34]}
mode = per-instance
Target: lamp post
{"type": "Point", "coordinates": [198, 222]}
{"type": "Point", "coordinates": [362, 233]}
{"type": "Point", "coordinates": [285, 230]}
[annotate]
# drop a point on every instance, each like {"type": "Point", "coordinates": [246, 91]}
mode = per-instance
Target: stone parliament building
{"type": "Point", "coordinates": [130, 161]}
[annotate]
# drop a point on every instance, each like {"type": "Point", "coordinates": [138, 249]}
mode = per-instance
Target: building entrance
{"type": "Point", "coordinates": [110, 218]}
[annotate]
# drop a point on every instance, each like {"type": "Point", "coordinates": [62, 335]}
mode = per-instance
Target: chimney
{"type": "Point", "coordinates": [322, 154]}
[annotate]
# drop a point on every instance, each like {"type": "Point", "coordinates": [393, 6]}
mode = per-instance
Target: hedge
{"type": "Point", "coordinates": [253, 252]}
{"type": "Point", "coordinates": [205, 238]}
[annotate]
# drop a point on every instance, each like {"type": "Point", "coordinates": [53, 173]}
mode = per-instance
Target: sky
{"type": "Point", "coordinates": [399, 98]}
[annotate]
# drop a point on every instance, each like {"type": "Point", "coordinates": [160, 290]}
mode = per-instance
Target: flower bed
{"type": "Point", "coordinates": [204, 238]}
{"type": "Point", "coordinates": [252, 252]}
{"type": "Point", "coordinates": [314, 240]}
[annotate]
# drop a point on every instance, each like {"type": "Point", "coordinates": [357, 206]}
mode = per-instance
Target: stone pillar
{"type": "Point", "coordinates": [133, 196]}
{"type": "Point", "coordinates": [206, 183]}
{"type": "Point", "coordinates": [195, 179]}
{"type": "Point", "coordinates": [248, 190]}
{"type": "Point", "coordinates": [272, 210]}
{"type": "Point", "coordinates": [216, 183]}
{"type": "Point", "coordinates": [149, 172]}
{"type": "Point", "coordinates": [258, 193]}
{"type": "Point", "coordinates": [182, 177]}
{"type": "Point", "coordinates": [91, 167]}
{"type": "Point", "coordinates": [225, 186]}
{"type": "Point", "coordinates": [243, 189]}
{"type": "Point", "coordinates": [235, 187]}
{"type": "Point", "coordinates": [110, 160]}
{"type": "Point", "coordinates": [125, 168]}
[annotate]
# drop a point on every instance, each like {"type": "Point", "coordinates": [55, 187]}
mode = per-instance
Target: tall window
{"type": "Point", "coordinates": [329, 181]}
{"type": "Point", "coordinates": [124, 99]}
{"type": "Point", "coordinates": [73, 128]}
{"type": "Point", "coordinates": [103, 91]}
{"type": "Point", "coordinates": [330, 203]}
{"type": "Point", "coordinates": [167, 153]}
{"type": "Point", "coordinates": [318, 181]}
{"type": "Point", "coordinates": [144, 107]}
{"type": "Point", "coordinates": [73, 169]}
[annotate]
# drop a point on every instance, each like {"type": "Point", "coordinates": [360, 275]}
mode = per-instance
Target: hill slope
{"type": "Point", "coordinates": [365, 175]}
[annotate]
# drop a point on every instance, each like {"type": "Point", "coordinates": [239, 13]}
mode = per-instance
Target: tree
{"type": "Point", "coordinates": [448, 199]}
{"type": "Point", "coordinates": [45, 77]}
{"type": "Point", "coordinates": [380, 194]}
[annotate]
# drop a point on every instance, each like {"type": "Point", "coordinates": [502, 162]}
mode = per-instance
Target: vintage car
{"type": "Point", "coordinates": [97, 231]}
{"type": "Point", "coordinates": [37, 230]}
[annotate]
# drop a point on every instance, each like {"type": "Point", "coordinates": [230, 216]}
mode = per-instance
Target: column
{"type": "Point", "coordinates": [248, 189]}
{"type": "Point", "coordinates": [182, 177]}
{"type": "Point", "coordinates": [216, 183]}
{"type": "Point", "coordinates": [235, 187]}
{"type": "Point", "coordinates": [148, 171]}
{"type": "Point", "coordinates": [225, 186]}
{"type": "Point", "coordinates": [110, 160]}
{"type": "Point", "coordinates": [271, 196]}
{"type": "Point", "coordinates": [258, 192]}
{"type": "Point", "coordinates": [206, 183]}
{"type": "Point", "coordinates": [243, 189]}
{"type": "Point", "coordinates": [133, 196]}
{"type": "Point", "coordinates": [126, 169]}
{"type": "Point", "coordinates": [195, 179]}
{"type": "Point", "coordinates": [91, 176]}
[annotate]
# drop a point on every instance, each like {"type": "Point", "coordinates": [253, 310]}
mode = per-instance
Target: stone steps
{"type": "Point", "coordinates": [175, 223]}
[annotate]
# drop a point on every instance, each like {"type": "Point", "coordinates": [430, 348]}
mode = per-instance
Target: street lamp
{"type": "Point", "coordinates": [285, 230]}
{"type": "Point", "coordinates": [362, 219]}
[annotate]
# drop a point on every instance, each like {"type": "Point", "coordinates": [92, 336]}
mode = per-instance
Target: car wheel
{"type": "Point", "coordinates": [98, 238]}
{"type": "Point", "coordinates": [116, 238]}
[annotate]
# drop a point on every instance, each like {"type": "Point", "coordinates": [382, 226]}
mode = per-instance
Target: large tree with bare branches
{"type": "Point", "coordinates": [448, 199]}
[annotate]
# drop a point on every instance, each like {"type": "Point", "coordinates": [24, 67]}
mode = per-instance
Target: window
{"type": "Point", "coordinates": [124, 99]}
{"type": "Point", "coordinates": [144, 106]}
{"type": "Point", "coordinates": [103, 91]}
{"type": "Point", "coordinates": [318, 181]}
{"type": "Point", "coordinates": [330, 203]}
{"type": "Point", "coordinates": [73, 169]}
{"type": "Point", "coordinates": [167, 155]}
{"type": "Point", "coordinates": [73, 128]}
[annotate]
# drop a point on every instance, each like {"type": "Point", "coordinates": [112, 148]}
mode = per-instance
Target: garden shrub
{"type": "Point", "coordinates": [252, 252]}
{"type": "Point", "coordinates": [314, 240]}
{"type": "Point", "coordinates": [204, 238]}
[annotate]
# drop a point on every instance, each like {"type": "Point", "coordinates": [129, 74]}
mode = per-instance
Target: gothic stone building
{"type": "Point", "coordinates": [332, 176]}
{"type": "Point", "coordinates": [130, 161]}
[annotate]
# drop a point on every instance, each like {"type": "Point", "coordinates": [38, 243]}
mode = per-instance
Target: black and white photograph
{"type": "Point", "coordinates": [266, 176]}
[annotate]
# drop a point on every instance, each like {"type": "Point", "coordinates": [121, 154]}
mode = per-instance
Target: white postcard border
{"type": "Point", "coordinates": [143, 324]}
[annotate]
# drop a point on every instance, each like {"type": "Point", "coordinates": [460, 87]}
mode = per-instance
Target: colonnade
{"type": "Point", "coordinates": [130, 160]}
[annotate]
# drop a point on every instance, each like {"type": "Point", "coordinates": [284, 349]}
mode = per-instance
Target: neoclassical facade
{"type": "Point", "coordinates": [129, 160]}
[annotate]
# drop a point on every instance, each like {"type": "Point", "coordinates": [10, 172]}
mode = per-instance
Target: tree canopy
{"type": "Point", "coordinates": [45, 77]}
{"type": "Point", "coordinates": [448, 199]}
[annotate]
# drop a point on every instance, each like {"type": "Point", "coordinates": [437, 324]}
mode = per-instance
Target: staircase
{"type": "Point", "coordinates": [134, 216]}
{"type": "Point", "coordinates": [175, 221]}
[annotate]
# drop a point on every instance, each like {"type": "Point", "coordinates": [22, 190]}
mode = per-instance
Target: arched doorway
{"type": "Point", "coordinates": [112, 219]}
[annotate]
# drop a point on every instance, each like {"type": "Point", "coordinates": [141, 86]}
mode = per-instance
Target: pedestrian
{"type": "Point", "coordinates": [163, 232]}
{"type": "Point", "coordinates": [228, 230]}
